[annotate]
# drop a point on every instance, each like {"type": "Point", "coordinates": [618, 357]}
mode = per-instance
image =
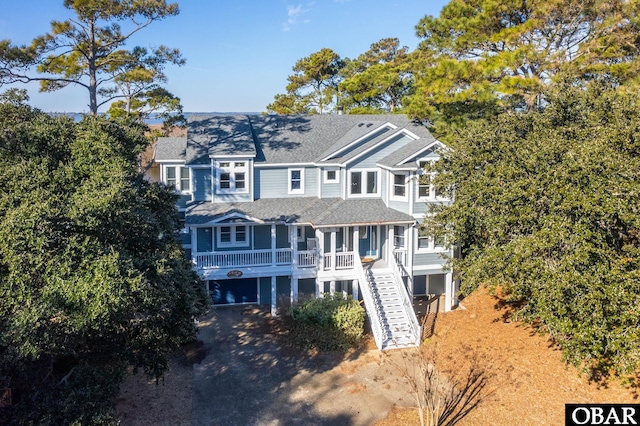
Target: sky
{"type": "Point", "coordinates": [238, 53]}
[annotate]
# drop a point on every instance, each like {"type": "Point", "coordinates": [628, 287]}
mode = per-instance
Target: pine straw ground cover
{"type": "Point", "coordinates": [529, 380]}
{"type": "Point", "coordinates": [530, 383]}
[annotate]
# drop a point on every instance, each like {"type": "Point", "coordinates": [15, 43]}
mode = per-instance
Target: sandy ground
{"type": "Point", "coordinates": [245, 374]}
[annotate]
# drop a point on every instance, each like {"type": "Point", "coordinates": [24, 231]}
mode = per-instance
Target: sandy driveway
{"type": "Point", "coordinates": [246, 378]}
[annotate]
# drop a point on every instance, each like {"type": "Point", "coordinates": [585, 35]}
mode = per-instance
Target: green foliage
{"type": "Point", "coordinates": [87, 51]}
{"type": "Point", "coordinates": [377, 80]}
{"type": "Point", "coordinates": [329, 323]}
{"type": "Point", "coordinates": [92, 276]}
{"type": "Point", "coordinates": [479, 58]}
{"type": "Point", "coordinates": [313, 85]}
{"type": "Point", "coordinates": [547, 206]}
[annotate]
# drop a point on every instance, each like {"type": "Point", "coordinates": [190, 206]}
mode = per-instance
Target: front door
{"type": "Point", "coordinates": [368, 241]}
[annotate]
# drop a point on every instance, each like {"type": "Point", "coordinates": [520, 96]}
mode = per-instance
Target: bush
{"type": "Point", "coordinates": [328, 323]}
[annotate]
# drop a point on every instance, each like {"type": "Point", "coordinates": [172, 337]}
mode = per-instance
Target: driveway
{"type": "Point", "coordinates": [247, 378]}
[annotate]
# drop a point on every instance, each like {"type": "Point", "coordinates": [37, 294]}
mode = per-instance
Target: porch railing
{"type": "Point", "coordinates": [343, 260]}
{"type": "Point", "coordinates": [247, 258]}
{"type": "Point", "coordinates": [397, 271]}
{"type": "Point", "coordinates": [372, 308]}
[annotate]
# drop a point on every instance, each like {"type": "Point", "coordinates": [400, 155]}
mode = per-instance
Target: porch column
{"type": "Point", "coordinates": [320, 242]}
{"type": "Point", "coordinates": [333, 250]}
{"type": "Point", "coordinates": [332, 287]}
{"type": "Point", "coordinates": [273, 244]}
{"type": "Point", "coordinates": [392, 244]}
{"type": "Point", "coordinates": [356, 241]}
{"type": "Point", "coordinates": [273, 296]}
{"type": "Point", "coordinates": [294, 289]}
{"type": "Point", "coordinates": [354, 289]}
{"type": "Point", "coordinates": [448, 293]}
{"type": "Point", "coordinates": [293, 236]}
{"type": "Point", "coordinates": [318, 284]}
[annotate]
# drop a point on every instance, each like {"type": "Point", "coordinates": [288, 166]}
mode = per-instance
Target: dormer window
{"type": "Point", "coordinates": [231, 176]}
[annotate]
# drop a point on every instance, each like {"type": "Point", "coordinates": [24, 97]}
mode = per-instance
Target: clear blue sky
{"type": "Point", "coordinates": [239, 52]}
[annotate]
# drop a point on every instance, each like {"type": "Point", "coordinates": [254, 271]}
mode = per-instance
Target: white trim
{"type": "Point", "coordinates": [364, 182]}
{"type": "Point", "coordinates": [422, 150]}
{"type": "Point", "coordinates": [178, 167]}
{"type": "Point", "coordinates": [232, 170]}
{"type": "Point", "coordinates": [325, 173]}
{"type": "Point", "coordinates": [231, 156]}
{"type": "Point", "coordinates": [290, 189]}
{"type": "Point", "coordinates": [404, 132]}
{"type": "Point", "coordinates": [340, 150]}
{"type": "Point", "coordinates": [232, 236]}
{"type": "Point", "coordinates": [392, 187]}
{"type": "Point", "coordinates": [282, 165]}
{"type": "Point", "coordinates": [431, 248]}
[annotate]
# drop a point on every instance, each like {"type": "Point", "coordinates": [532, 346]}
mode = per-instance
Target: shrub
{"type": "Point", "coordinates": [332, 322]}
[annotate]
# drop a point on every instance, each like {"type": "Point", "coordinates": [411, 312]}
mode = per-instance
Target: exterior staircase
{"type": "Point", "coordinates": [393, 310]}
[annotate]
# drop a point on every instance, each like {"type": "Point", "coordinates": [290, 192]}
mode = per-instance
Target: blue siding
{"type": "Point", "coordinates": [201, 184]}
{"type": "Point", "coordinates": [232, 198]}
{"type": "Point", "coordinates": [420, 259]}
{"type": "Point", "coordinates": [273, 183]}
{"type": "Point", "coordinates": [331, 190]}
{"type": "Point", "coordinates": [370, 159]}
{"type": "Point", "coordinates": [402, 206]}
{"type": "Point", "coordinates": [262, 235]}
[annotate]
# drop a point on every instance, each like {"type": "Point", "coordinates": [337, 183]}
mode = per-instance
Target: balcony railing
{"type": "Point", "coordinates": [343, 260]}
{"type": "Point", "coordinates": [248, 258]}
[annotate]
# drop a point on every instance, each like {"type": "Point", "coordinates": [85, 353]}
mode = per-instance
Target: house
{"type": "Point", "coordinates": [277, 208]}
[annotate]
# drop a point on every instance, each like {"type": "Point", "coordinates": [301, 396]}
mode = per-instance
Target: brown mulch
{"type": "Point", "coordinates": [530, 383]}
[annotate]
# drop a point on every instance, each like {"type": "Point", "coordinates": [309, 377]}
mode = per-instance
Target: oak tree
{"type": "Point", "coordinates": [93, 278]}
{"type": "Point", "coordinates": [547, 206]}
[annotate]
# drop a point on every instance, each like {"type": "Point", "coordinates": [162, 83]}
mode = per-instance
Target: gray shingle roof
{"type": "Point", "coordinates": [170, 149]}
{"type": "Point", "coordinates": [218, 135]}
{"type": "Point", "coordinates": [315, 211]}
{"type": "Point", "coordinates": [395, 158]}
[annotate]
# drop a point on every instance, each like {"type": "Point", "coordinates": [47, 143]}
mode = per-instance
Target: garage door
{"type": "Point", "coordinates": [229, 292]}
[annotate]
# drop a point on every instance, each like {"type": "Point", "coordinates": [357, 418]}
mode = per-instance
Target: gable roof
{"type": "Point", "coordinates": [275, 139]}
{"type": "Point", "coordinates": [399, 158]}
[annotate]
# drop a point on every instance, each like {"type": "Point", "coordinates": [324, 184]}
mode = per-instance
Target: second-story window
{"type": "Point", "coordinates": [178, 177]}
{"type": "Point", "coordinates": [399, 185]}
{"type": "Point", "coordinates": [363, 182]}
{"type": "Point", "coordinates": [232, 176]}
{"type": "Point", "coordinates": [296, 181]}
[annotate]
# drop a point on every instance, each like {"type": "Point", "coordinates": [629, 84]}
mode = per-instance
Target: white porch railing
{"type": "Point", "coordinates": [372, 308]}
{"type": "Point", "coordinates": [416, 332]}
{"type": "Point", "coordinates": [247, 258]}
{"type": "Point", "coordinates": [343, 260]}
{"type": "Point", "coordinates": [400, 255]}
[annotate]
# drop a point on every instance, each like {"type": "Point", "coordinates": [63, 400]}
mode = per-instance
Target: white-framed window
{"type": "Point", "coordinates": [231, 176]}
{"type": "Point", "coordinates": [178, 177]}
{"type": "Point", "coordinates": [364, 183]}
{"type": "Point", "coordinates": [296, 181]}
{"type": "Point", "coordinates": [398, 236]}
{"type": "Point", "coordinates": [233, 236]}
{"type": "Point", "coordinates": [399, 185]}
{"type": "Point", "coordinates": [430, 243]}
{"type": "Point", "coordinates": [426, 188]}
{"type": "Point", "coordinates": [332, 176]}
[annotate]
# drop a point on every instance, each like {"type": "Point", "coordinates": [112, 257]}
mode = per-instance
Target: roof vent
{"type": "Point", "coordinates": [369, 124]}
{"type": "Point", "coordinates": [360, 124]}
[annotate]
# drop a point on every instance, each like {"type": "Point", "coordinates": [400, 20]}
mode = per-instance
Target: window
{"type": "Point", "coordinates": [400, 185]}
{"type": "Point", "coordinates": [426, 188]}
{"type": "Point", "coordinates": [178, 177]}
{"type": "Point", "coordinates": [231, 176]}
{"type": "Point", "coordinates": [363, 183]}
{"type": "Point", "coordinates": [429, 243]}
{"type": "Point", "coordinates": [331, 176]}
{"type": "Point", "coordinates": [296, 181]}
{"type": "Point", "coordinates": [233, 235]}
{"type": "Point", "coordinates": [398, 236]}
